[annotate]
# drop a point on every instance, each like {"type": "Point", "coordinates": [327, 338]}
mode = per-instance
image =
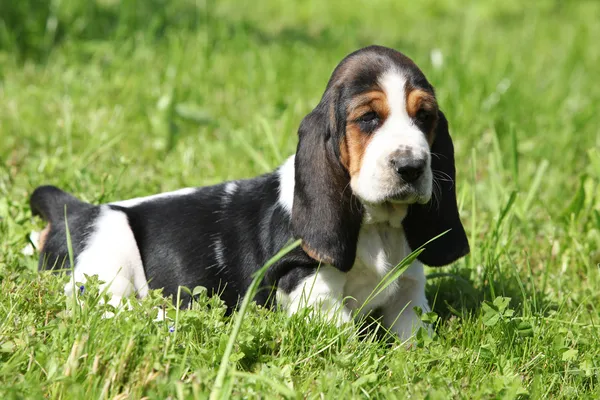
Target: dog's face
{"type": "Point", "coordinates": [368, 145]}
{"type": "Point", "coordinates": [390, 113]}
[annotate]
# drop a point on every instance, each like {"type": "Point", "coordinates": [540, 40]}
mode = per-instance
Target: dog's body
{"type": "Point", "coordinates": [358, 193]}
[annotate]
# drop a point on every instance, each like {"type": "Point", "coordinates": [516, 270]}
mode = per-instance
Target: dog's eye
{"type": "Point", "coordinates": [423, 116]}
{"type": "Point", "coordinates": [368, 117]}
{"type": "Point", "coordinates": [425, 119]}
{"type": "Point", "coordinates": [368, 122]}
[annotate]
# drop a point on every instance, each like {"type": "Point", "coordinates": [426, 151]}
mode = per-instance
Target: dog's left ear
{"type": "Point", "coordinates": [425, 221]}
{"type": "Point", "coordinates": [325, 213]}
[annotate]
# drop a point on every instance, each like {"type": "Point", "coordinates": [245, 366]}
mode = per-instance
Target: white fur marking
{"type": "Point", "coordinates": [380, 249]}
{"type": "Point", "coordinates": [376, 179]}
{"type": "Point", "coordinates": [286, 184]}
{"type": "Point", "coordinates": [230, 189]}
{"type": "Point", "coordinates": [399, 312]}
{"type": "Point", "coordinates": [112, 254]}
{"type": "Point", "coordinates": [161, 196]}
{"type": "Point", "coordinates": [219, 254]}
{"type": "Point", "coordinates": [323, 291]}
{"type": "Point", "coordinates": [28, 250]}
{"type": "Point", "coordinates": [34, 237]}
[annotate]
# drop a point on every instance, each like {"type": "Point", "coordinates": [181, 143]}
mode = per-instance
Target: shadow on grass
{"type": "Point", "coordinates": [455, 294]}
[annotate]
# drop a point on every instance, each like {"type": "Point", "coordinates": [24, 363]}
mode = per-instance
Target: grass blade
{"type": "Point", "coordinates": [69, 243]}
{"type": "Point", "coordinates": [535, 186]}
{"type": "Point", "coordinates": [71, 261]}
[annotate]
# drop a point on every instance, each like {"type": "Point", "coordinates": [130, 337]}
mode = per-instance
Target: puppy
{"type": "Point", "coordinates": [372, 179]}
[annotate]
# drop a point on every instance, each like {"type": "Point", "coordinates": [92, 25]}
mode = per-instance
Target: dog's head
{"type": "Point", "coordinates": [376, 145]}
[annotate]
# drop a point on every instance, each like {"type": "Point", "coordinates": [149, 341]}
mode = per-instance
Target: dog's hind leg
{"type": "Point", "coordinates": [111, 253]}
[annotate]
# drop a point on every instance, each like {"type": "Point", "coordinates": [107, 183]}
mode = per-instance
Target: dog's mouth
{"type": "Point", "coordinates": [399, 198]}
{"type": "Point", "coordinates": [408, 194]}
{"type": "Point", "coordinates": [395, 193]}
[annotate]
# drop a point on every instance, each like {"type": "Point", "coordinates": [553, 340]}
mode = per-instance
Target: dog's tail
{"type": "Point", "coordinates": [49, 203]}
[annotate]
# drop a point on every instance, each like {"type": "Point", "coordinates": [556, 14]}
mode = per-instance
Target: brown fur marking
{"type": "Point", "coordinates": [43, 237]}
{"type": "Point", "coordinates": [355, 142]}
{"type": "Point", "coordinates": [417, 99]}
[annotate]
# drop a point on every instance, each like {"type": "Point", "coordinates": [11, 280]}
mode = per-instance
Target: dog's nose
{"type": "Point", "coordinates": [408, 168]}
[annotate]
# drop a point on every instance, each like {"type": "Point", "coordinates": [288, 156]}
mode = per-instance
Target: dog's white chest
{"type": "Point", "coordinates": [380, 248]}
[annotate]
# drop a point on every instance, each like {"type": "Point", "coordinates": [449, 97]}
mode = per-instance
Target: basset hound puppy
{"type": "Point", "coordinates": [372, 179]}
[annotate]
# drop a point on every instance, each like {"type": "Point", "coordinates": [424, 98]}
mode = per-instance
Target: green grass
{"type": "Point", "coordinates": [114, 99]}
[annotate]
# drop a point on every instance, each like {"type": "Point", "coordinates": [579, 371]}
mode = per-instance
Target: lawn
{"type": "Point", "coordinates": [116, 99]}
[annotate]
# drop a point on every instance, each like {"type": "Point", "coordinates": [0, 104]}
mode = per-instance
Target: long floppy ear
{"type": "Point", "coordinates": [425, 221]}
{"type": "Point", "coordinates": [325, 213]}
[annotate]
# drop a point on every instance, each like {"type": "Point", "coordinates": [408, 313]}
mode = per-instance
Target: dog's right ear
{"type": "Point", "coordinates": [425, 221]}
{"type": "Point", "coordinates": [325, 213]}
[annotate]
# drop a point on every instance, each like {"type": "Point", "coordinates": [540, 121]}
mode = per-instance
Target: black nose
{"type": "Point", "coordinates": [409, 169]}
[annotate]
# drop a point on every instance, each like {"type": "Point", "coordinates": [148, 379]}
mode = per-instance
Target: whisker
{"type": "Point", "coordinates": [346, 187]}
{"type": "Point", "coordinates": [436, 194]}
{"type": "Point", "coordinates": [442, 173]}
{"type": "Point", "coordinates": [442, 176]}
{"type": "Point", "coordinates": [343, 191]}
{"type": "Point", "coordinates": [438, 155]}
